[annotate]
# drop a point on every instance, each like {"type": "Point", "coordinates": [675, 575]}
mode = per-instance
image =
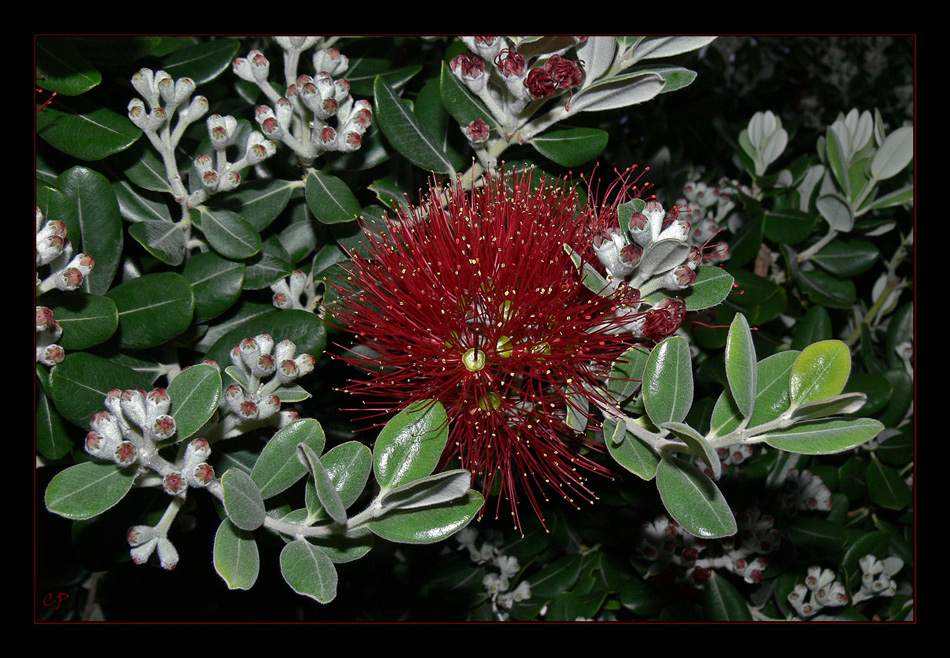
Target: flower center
{"type": "Point", "coordinates": [474, 359]}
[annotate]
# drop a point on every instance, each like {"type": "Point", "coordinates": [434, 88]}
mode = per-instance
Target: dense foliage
{"type": "Point", "coordinates": [682, 316]}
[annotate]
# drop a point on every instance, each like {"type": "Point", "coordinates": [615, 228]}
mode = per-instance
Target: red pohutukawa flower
{"type": "Point", "coordinates": [471, 299]}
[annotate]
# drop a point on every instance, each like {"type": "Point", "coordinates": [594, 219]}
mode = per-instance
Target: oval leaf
{"type": "Point", "coordinates": [410, 446]}
{"type": "Point", "coordinates": [741, 367]}
{"type": "Point", "coordinates": [694, 500]}
{"type": "Point", "coordinates": [825, 437]}
{"type": "Point", "coordinates": [668, 382]}
{"type": "Point", "coordinates": [430, 524]}
{"type": "Point", "coordinates": [330, 199]}
{"type": "Point", "coordinates": [278, 467]}
{"type": "Point", "coordinates": [88, 489]}
{"type": "Point", "coordinates": [153, 309]}
{"type": "Point", "coordinates": [195, 394]}
{"type": "Point", "coordinates": [406, 132]}
{"type": "Point", "coordinates": [821, 371]}
{"type": "Point", "coordinates": [236, 556]}
{"type": "Point", "coordinates": [242, 500]}
{"type": "Point", "coordinates": [308, 571]}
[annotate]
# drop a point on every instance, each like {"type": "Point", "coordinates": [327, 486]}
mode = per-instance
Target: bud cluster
{"type": "Point", "coordinates": [820, 590]}
{"type": "Point", "coordinates": [710, 210]}
{"type": "Point", "coordinates": [497, 584]}
{"type": "Point", "coordinates": [646, 255]}
{"type": "Point", "coordinates": [131, 426]}
{"type": "Point", "coordinates": [163, 97]}
{"type": "Point", "coordinates": [260, 368]}
{"type": "Point", "coordinates": [877, 577]}
{"type": "Point", "coordinates": [494, 70]}
{"type": "Point", "coordinates": [145, 540]}
{"type": "Point", "coordinates": [67, 270]}
{"type": "Point", "coordinates": [316, 114]}
{"type": "Point", "coordinates": [297, 291]}
{"type": "Point", "coordinates": [664, 543]}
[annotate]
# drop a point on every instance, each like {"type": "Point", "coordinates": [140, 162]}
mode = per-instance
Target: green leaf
{"type": "Point", "coordinates": [662, 257]}
{"type": "Point", "coordinates": [821, 371]}
{"type": "Point", "coordinates": [203, 61]}
{"type": "Point", "coordinates": [236, 556]}
{"type": "Point", "coordinates": [349, 466]}
{"type": "Point", "coordinates": [459, 101]}
{"type": "Point", "coordinates": [824, 437]}
{"type": "Point", "coordinates": [195, 394]}
{"type": "Point", "coordinates": [330, 199]}
{"type": "Point", "coordinates": [886, 487]}
{"type": "Point", "coordinates": [626, 375]}
{"type": "Point", "coordinates": [228, 233]}
{"type": "Point", "coordinates": [723, 602]}
{"type": "Point", "coordinates": [278, 467]}
{"type": "Point", "coordinates": [846, 403]}
{"type": "Point", "coordinates": [556, 577]}
{"type": "Point", "coordinates": [88, 489]}
{"type": "Point", "coordinates": [571, 147]}
{"type": "Point", "coordinates": [97, 223]}
{"type": "Point", "coordinates": [668, 381]}
{"type": "Point", "coordinates": [895, 153]}
{"type": "Point", "coordinates": [847, 258]}
{"type": "Point", "coordinates": [79, 385]}
{"type": "Point", "coordinates": [698, 446]}
{"type": "Point", "coordinates": [61, 68]}
{"type": "Point", "coordinates": [308, 571]}
{"type": "Point", "coordinates": [694, 500]}
{"type": "Point", "coordinates": [428, 524]}
{"type": "Point", "coordinates": [789, 226]}
{"type": "Point", "coordinates": [259, 201]}
{"type": "Point", "coordinates": [773, 373]}
{"type": "Point", "coordinates": [712, 286]}
{"type": "Point", "coordinates": [629, 451]}
{"type": "Point", "coordinates": [304, 328]}
{"type": "Point", "coordinates": [242, 500]}
{"type": "Point", "coordinates": [153, 309]}
{"type": "Point", "coordinates": [617, 92]}
{"type": "Point", "coordinates": [410, 446]}
{"type": "Point", "coordinates": [406, 133]}
{"type": "Point", "coordinates": [836, 212]}
{"type": "Point", "coordinates": [741, 366]}
{"type": "Point", "coordinates": [52, 438]}
{"type": "Point", "coordinates": [433, 490]}
{"type": "Point", "coordinates": [814, 327]}
{"type": "Point", "coordinates": [164, 240]}
{"type": "Point", "coordinates": [326, 491]}
{"type": "Point", "coordinates": [85, 130]}
{"type": "Point", "coordinates": [87, 320]}
{"type": "Point", "coordinates": [216, 282]}
{"type": "Point", "coordinates": [827, 290]}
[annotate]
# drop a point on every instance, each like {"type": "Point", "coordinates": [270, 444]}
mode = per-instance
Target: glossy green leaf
{"type": "Point", "coordinates": [228, 233]}
{"type": "Point", "coordinates": [823, 437]}
{"type": "Point", "coordinates": [84, 130]}
{"type": "Point", "coordinates": [79, 385]}
{"type": "Point", "coordinates": [52, 438]}
{"type": "Point", "coordinates": [712, 286]}
{"type": "Point", "coordinates": [330, 199]}
{"type": "Point", "coordinates": [195, 394]}
{"type": "Point", "coordinates": [428, 524]}
{"type": "Point", "coordinates": [259, 201]}
{"type": "Point", "coordinates": [406, 133]}
{"type": "Point", "coordinates": [278, 468]}
{"type": "Point", "coordinates": [347, 546]}
{"type": "Point", "coordinates": [789, 226]}
{"type": "Point", "coordinates": [771, 400]}
{"type": "Point", "coordinates": [571, 147]}
{"type": "Point", "coordinates": [304, 328]}
{"type": "Point", "coordinates": [203, 61]}
{"type": "Point", "coordinates": [242, 500]}
{"type": "Point", "coordinates": [308, 571]}
{"type": "Point", "coordinates": [668, 381]}
{"type": "Point", "coordinates": [556, 577]}
{"type": "Point", "coordinates": [88, 489]}
{"type": "Point", "coordinates": [164, 240]}
{"type": "Point", "coordinates": [828, 290]}
{"type": "Point", "coordinates": [847, 258]}
{"type": "Point", "coordinates": [820, 371]}
{"type": "Point", "coordinates": [886, 486]}
{"type": "Point", "coordinates": [693, 500]}
{"type": "Point", "coordinates": [153, 309]}
{"type": "Point", "coordinates": [236, 556]}
{"type": "Point", "coordinates": [216, 282]}
{"type": "Point", "coordinates": [741, 366]}
{"type": "Point", "coordinates": [814, 327]}
{"type": "Point", "coordinates": [410, 446]}
{"type": "Point", "coordinates": [846, 403]}
{"type": "Point", "coordinates": [87, 320]}
{"type": "Point", "coordinates": [459, 101]}
{"type": "Point", "coordinates": [61, 67]}
{"type": "Point", "coordinates": [99, 224]}
{"type": "Point", "coordinates": [326, 491]}
{"type": "Point", "coordinates": [723, 602]}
